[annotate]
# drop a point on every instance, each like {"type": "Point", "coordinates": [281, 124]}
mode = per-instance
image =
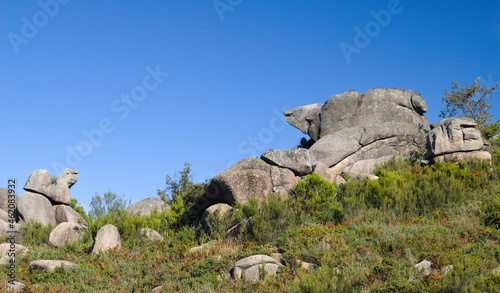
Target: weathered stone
{"type": "Point", "coordinates": [463, 156]}
{"type": "Point", "coordinates": [425, 267]}
{"type": "Point", "coordinates": [298, 160]}
{"type": "Point", "coordinates": [157, 289]}
{"type": "Point", "coordinates": [247, 179]}
{"type": "Point", "coordinates": [220, 208]}
{"type": "Point", "coordinates": [283, 180]}
{"type": "Point", "coordinates": [107, 238]}
{"type": "Point", "coordinates": [65, 213]}
{"type": "Point", "coordinates": [4, 199]}
{"type": "Point", "coordinates": [50, 265]}
{"type": "Point", "coordinates": [364, 166]}
{"type": "Point", "coordinates": [447, 269]}
{"type": "Point", "coordinates": [363, 176]}
{"type": "Point", "coordinates": [454, 135]}
{"type": "Point", "coordinates": [146, 206]}
{"type": "Point", "coordinates": [8, 228]}
{"type": "Point", "coordinates": [66, 232]}
{"type": "Point", "coordinates": [4, 216]}
{"type": "Point", "coordinates": [17, 249]}
{"type": "Point", "coordinates": [327, 173]}
{"type": "Point", "coordinates": [249, 267]}
{"type": "Point", "coordinates": [202, 247]}
{"type": "Point", "coordinates": [367, 142]}
{"type": "Point", "coordinates": [306, 119]}
{"type": "Point", "coordinates": [253, 260]}
{"type": "Point", "coordinates": [151, 235]}
{"type": "Point", "coordinates": [306, 266]}
{"type": "Point", "coordinates": [37, 208]}
{"type": "Point", "coordinates": [252, 274]}
{"type": "Point", "coordinates": [58, 189]}
{"type": "Point", "coordinates": [379, 105]}
{"type": "Point", "coordinates": [15, 287]}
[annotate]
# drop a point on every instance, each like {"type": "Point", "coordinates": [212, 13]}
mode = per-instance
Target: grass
{"type": "Point", "coordinates": [365, 236]}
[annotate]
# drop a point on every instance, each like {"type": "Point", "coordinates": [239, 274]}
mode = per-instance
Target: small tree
{"type": "Point", "coordinates": [110, 202]}
{"type": "Point", "coordinates": [177, 185]}
{"type": "Point", "coordinates": [469, 101]}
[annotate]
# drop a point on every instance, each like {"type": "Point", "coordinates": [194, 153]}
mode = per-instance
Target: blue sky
{"type": "Point", "coordinates": [126, 92]}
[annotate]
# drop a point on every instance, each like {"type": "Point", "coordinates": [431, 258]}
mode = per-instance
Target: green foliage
{"type": "Point", "coordinates": [317, 196]}
{"type": "Point", "coordinates": [469, 101]}
{"type": "Point", "coordinates": [415, 190]}
{"type": "Point", "coordinates": [77, 207]}
{"type": "Point", "coordinates": [35, 233]}
{"type": "Point", "coordinates": [109, 203]}
{"type": "Point", "coordinates": [177, 184]}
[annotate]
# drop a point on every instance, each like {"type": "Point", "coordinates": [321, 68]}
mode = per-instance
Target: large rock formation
{"type": "Point", "coordinates": [456, 139]}
{"type": "Point", "coordinates": [56, 189]}
{"type": "Point", "coordinates": [382, 122]}
{"type": "Point", "coordinates": [352, 109]}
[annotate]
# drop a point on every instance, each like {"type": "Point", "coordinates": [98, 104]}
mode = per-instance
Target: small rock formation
{"type": "Point", "coordinates": [107, 238]}
{"type": "Point", "coordinates": [36, 207]}
{"type": "Point", "coordinates": [15, 287]}
{"type": "Point", "coordinates": [249, 267]}
{"type": "Point", "coordinates": [146, 206]}
{"type": "Point", "coordinates": [66, 232]}
{"type": "Point", "coordinates": [56, 189]}
{"type": "Point", "coordinates": [65, 213]}
{"type": "Point", "coordinates": [221, 208]}
{"type": "Point", "coordinates": [456, 138]}
{"type": "Point", "coordinates": [151, 235]}
{"type": "Point", "coordinates": [46, 198]}
{"type": "Point", "coordinates": [50, 265]}
{"type": "Point", "coordinates": [425, 267]}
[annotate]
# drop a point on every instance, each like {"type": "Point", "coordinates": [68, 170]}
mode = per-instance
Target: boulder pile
{"type": "Point", "coordinates": [349, 135]}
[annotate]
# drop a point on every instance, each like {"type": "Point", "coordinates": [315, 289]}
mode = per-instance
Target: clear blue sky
{"type": "Point", "coordinates": [208, 81]}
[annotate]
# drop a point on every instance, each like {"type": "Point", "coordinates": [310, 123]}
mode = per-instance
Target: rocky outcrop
{"type": "Point", "coordinates": [50, 265]}
{"type": "Point", "coordinates": [107, 238]}
{"type": "Point", "coordinates": [283, 180]}
{"type": "Point", "coordinates": [17, 249]}
{"type": "Point", "coordinates": [368, 142]}
{"type": "Point", "coordinates": [456, 139]}
{"type": "Point", "coordinates": [146, 206]}
{"type": "Point", "coordinates": [37, 208]}
{"type": "Point", "coordinates": [66, 232]}
{"type": "Point", "coordinates": [56, 189]}
{"type": "Point", "coordinates": [249, 267]}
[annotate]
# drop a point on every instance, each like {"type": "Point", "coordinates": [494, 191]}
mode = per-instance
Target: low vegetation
{"type": "Point", "coordinates": [366, 237]}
